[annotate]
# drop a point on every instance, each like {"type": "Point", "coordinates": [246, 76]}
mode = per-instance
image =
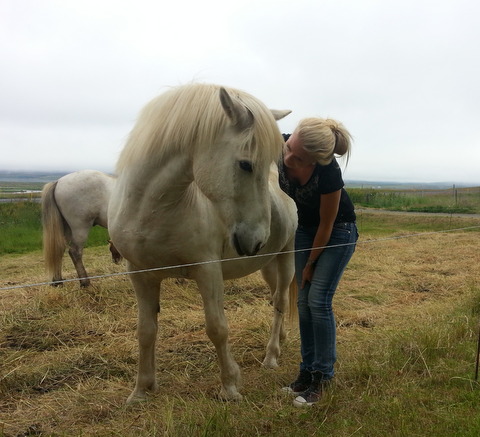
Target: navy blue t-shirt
{"type": "Point", "coordinates": [325, 179]}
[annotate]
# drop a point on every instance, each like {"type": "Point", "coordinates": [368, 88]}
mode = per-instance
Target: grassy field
{"type": "Point", "coordinates": [407, 311]}
{"type": "Point", "coordinates": [21, 228]}
{"type": "Point", "coordinates": [8, 187]}
{"type": "Point", "coordinates": [454, 200]}
{"type": "Point", "coordinates": [20, 190]}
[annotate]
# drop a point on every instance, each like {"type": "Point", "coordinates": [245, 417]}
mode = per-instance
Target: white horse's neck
{"type": "Point", "coordinates": [163, 184]}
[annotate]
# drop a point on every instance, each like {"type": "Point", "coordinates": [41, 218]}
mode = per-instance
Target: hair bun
{"type": "Point", "coordinates": [342, 140]}
{"type": "Point", "coordinates": [341, 147]}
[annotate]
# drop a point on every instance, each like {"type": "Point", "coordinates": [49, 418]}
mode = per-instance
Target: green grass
{"type": "Point", "coordinates": [21, 226]}
{"type": "Point", "coordinates": [8, 187]}
{"type": "Point", "coordinates": [380, 225]}
{"type": "Point", "coordinates": [21, 229]}
{"type": "Point", "coordinates": [420, 381]}
{"type": "Point", "coordinates": [20, 222]}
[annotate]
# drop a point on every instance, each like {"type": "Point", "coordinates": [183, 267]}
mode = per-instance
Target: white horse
{"type": "Point", "coordinates": [197, 183]}
{"type": "Point", "coordinates": [70, 207]}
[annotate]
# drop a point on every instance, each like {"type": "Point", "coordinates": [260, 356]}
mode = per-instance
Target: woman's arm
{"type": "Point", "coordinates": [329, 204]}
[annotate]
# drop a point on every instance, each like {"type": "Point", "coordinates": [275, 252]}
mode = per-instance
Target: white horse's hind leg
{"type": "Point", "coordinates": [278, 275]}
{"type": "Point", "coordinates": [210, 284]}
{"type": "Point", "coordinates": [147, 290]}
{"type": "Point", "coordinates": [76, 254]}
{"type": "Point", "coordinates": [77, 236]}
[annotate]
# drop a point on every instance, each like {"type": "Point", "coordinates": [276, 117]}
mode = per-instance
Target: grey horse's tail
{"type": "Point", "coordinates": [54, 243]}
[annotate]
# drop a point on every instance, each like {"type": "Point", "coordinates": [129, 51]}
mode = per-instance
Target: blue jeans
{"type": "Point", "coordinates": [316, 319]}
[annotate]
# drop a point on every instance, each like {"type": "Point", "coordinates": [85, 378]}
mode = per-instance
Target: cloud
{"type": "Point", "coordinates": [401, 76]}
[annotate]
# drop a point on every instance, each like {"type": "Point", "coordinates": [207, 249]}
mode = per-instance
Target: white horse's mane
{"type": "Point", "coordinates": [191, 116]}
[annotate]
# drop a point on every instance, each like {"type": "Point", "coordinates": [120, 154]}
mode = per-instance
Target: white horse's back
{"type": "Point", "coordinates": [83, 198]}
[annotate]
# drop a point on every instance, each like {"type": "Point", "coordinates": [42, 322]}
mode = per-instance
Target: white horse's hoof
{"type": "Point", "coordinates": [136, 398]}
{"type": "Point", "coordinates": [233, 395]}
{"type": "Point", "coordinates": [270, 363]}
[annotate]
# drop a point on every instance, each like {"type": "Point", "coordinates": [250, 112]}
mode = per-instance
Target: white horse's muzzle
{"type": "Point", "coordinates": [249, 242]}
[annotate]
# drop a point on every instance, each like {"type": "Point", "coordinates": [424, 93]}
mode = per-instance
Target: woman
{"type": "Point", "coordinates": [324, 243]}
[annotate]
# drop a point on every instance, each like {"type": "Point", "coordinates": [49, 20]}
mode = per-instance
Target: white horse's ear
{"type": "Point", "coordinates": [238, 113]}
{"type": "Point", "coordinates": [278, 114]}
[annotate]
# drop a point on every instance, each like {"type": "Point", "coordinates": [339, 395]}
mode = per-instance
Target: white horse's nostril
{"type": "Point", "coordinates": [246, 242]}
{"type": "Point", "coordinates": [236, 243]}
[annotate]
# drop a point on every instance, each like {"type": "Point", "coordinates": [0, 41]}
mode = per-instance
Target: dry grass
{"type": "Point", "coordinates": [68, 356]}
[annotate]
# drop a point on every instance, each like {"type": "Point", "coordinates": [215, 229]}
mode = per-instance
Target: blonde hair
{"type": "Point", "coordinates": [324, 138]}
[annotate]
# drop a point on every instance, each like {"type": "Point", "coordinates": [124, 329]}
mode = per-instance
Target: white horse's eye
{"type": "Point", "coordinates": [246, 166]}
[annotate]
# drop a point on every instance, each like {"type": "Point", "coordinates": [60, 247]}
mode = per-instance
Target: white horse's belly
{"type": "Point", "coordinates": [244, 266]}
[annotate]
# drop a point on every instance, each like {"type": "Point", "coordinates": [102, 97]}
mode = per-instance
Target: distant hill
{"type": "Point", "coordinates": [30, 176]}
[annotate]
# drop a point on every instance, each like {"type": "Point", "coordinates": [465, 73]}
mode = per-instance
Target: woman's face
{"type": "Point", "coordinates": [295, 156]}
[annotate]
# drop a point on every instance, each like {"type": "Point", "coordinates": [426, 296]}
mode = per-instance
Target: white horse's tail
{"type": "Point", "coordinates": [292, 302]}
{"type": "Point", "coordinates": [54, 243]}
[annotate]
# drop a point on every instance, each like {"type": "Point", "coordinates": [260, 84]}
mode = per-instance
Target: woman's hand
{"type": "Point", "coordinates": [307, 274]}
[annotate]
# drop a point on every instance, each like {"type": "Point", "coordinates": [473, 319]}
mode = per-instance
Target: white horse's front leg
{"type": "Point", "coordinates": [147, 291]}
{"type": "Point", "coordinates": [278, 274]}
{"type": "Point", "coordinates": [210, 284]}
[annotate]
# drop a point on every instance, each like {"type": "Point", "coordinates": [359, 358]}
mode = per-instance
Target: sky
{"type": "Point", "coordinates": [402, 76]}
